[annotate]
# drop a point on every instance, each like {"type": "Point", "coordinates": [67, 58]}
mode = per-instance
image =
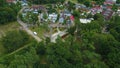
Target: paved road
{"type": "Point", "coordinates": [59, 33]}
{"type": "Point", "coordinates": [26, 28]}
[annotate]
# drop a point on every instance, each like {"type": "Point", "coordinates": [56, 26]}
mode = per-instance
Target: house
{"type": "Point", "coordinates": [53, 17]}
{"type": "Point", "coordinates": [81, 8]}
{"type": "Point", "coordinates": [11, 1]}
{"type": "Point", "coordinates": [109, 2]}
{"type": "Point", "coordinates": [26, 10]}
{"type": "Point", "coordinates": [38, 7]}
{"type": "Point", "coordinates": [77, 6]}
{"type": "Point", "coordinates": [65, 14]}
{"type": "Point", "coordinates": [86, 20]}
{"type": "Point", "coordinates": [35, 12]}
{"type": "Point", "coordinates": [61, 20]}
{"type": "Point", "coordinates": [96, 9]}
{"type": "Point", "coordinates": [107, 14]}
{"type": "Point", "coordinates": [24, 14]}
{"type": "Point", "coordinates": [24, 4]}
{"type": "Point", "coordinates": [72, 18]}
{"type": "Point", "coordinates": [118, 12]}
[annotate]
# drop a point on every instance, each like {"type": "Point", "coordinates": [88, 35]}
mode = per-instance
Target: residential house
{"type": "Point", "coordinates": [81, 8]}
{"type": "Point", "coordinates": [61, 20]}
{"type": "Point", "coordinates": [24, 14]}
{"type": "Point", "coordinates": [96, 9]}
{"type": "Point", "coordinates": [53, 17]}
{"type": "Point", "coordinates": [38, 7]}
{"type": "Point", "coordinates": [86, 20]}
{"type": "Point", "coordinates": [109, 2]}
{"type": "Point", "coordinates": [107, 13]}
{"type": "Point", "coordinates": [67, 12]}
{"type": "Point", "coordinates": [72, 18]}
{"type": "Point", "coordinates": [118, 12]}
{"type": "Point", "coordinates": [11, 1]}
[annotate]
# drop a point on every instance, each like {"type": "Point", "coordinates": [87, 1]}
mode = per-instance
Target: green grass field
{"type": "Point", "coordinates": [40, 31]}
{"type": "Point", "coordinates": [5, 28]}
{"type": "Point", "coordinates": [8, 27]}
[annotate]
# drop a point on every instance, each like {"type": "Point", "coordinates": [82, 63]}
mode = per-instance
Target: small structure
{"type": "Point", "coordinates": [53, 17]}
{"type": "Point", "coordinates": [118, 12]}
{"type": "Point", "coordinates": [96, 9]}
{"type": "Point", "coordinates": [61, 20]}
{"type": "Point", "coordinates": [72, 18]}
{"type": "Point", "coordinates": [66, 13]}
{"type": "Point", "coordinates": [86, 20]}
{"type": "Point", "coordinates": [107, 14]}
{"type": "Point", "coordinates": [24, 14]}
{"type": "Point", "coordinates": [38, 7]}
{"type": "Point", "coordinates": [81, 8]}
{"type": "Point", "coordinates": [11, 1]}
{"type": "Point", "coordinates": [109, 2]}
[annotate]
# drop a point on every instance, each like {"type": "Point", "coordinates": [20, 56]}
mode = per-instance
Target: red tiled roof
{"type": "Point", "coordinates": [109, 3]}
{"type": "Point", "coordinates": [72, 17]}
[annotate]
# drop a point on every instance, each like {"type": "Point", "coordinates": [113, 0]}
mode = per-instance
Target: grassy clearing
{"type": "Point", "coordinates": [8, 27]}
{"type": "Point", "coordinates": [40, 31]}
{"type": "Point", "coordinates": [5, 28]}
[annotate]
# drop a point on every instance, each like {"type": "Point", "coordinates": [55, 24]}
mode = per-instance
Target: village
{"type": "Point", "coordinates": [59, 33]}
{"type": "Point", "coordinates": [57, 18]}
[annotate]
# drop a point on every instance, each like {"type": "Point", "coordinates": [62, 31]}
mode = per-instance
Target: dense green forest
{"type": "Point", "coordinates": [8, 12]}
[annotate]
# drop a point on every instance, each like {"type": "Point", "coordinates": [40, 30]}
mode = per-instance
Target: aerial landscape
{"type": "Point", "coordinates": [59, 33]}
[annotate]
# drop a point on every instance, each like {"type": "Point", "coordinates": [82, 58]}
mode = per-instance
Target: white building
{"type": "Point", "coordinates": [53, 17]}
{"type": "Point", "coordinates": [86, 20]}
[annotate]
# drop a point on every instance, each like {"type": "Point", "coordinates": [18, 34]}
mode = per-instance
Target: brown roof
{"type": "Point", "coordinates": [38, 7]}
{"type": "Point", "coordinates": [10, 1]}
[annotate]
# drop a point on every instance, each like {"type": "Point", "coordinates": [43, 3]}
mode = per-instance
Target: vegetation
{"type": "Point", "coordinates": [14, 40]}
{"type": "Point", "coordinates": [8, 13]}
{"type": "Point", "coordinates": [46, 1]}
{"type": "Point", "coordinates": [88, 45]}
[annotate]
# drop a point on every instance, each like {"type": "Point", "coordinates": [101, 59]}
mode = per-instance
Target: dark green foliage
{"type": "Point", "coordinates": [46, 1]}
{"type": "Point", "coordinates": [71, 30]}
{"type": "Point", "coordinates": [25, 60]}
{"type": "Point", "coordinates": [41, 49]}
{"type": "Point", "coordinates": [14, 39]}
{"type": "Point", "coordinates": [71, 54]}
{"type": "Point", "coordinates": [76, 14]}
{"type": "Point", "coordinates": [118, 1]}
{"type": "Point", "coordinates": [2, 3]}
{"type": "Point", "coordinates": [8, 13]}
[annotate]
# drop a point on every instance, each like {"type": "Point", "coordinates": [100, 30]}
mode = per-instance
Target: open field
{"type": "Point", "coordinates": [5, 28]}
{"type": "Point", "coordinates": [40, 31]}
{"type": "Point", "coordinates": [8, 27]}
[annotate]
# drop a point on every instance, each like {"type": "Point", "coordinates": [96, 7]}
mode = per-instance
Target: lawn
{"type": "Point", "coordinates": [40, 31]}
{"type": "Point", "coordinates": [5, 28]}
{"type": "Point", "coordinates": [8, 27]}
